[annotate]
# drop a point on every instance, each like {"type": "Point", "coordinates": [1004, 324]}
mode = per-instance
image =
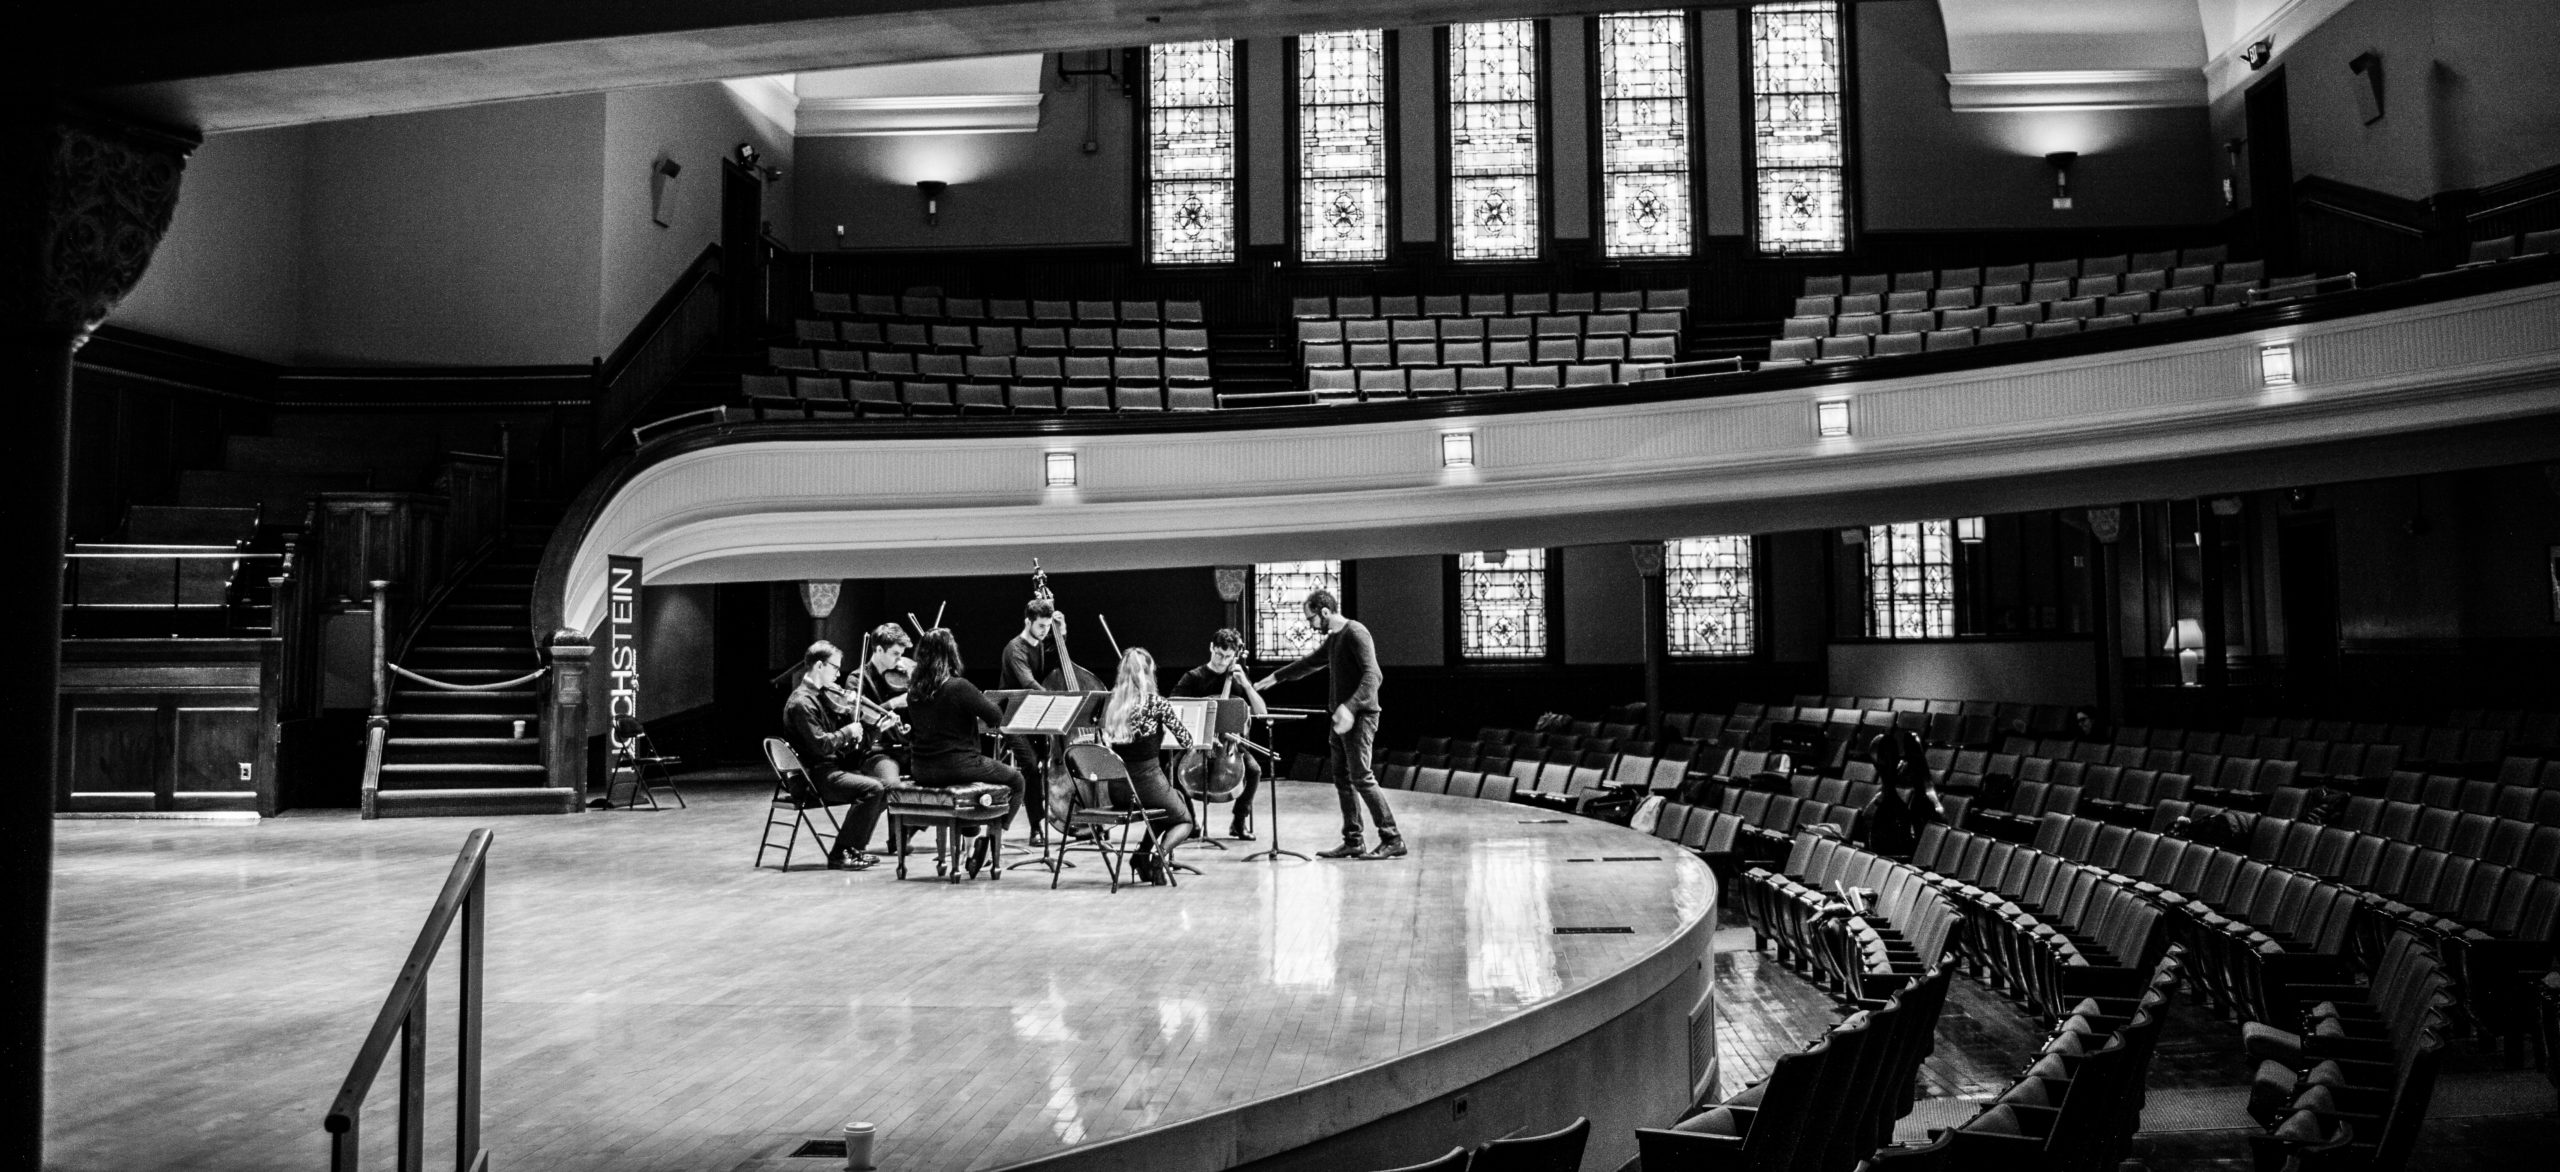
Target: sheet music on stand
{"type": "Point", "coordinates": [1199, 718]}
{"type": "Point", "coordinates": [1045, 712]}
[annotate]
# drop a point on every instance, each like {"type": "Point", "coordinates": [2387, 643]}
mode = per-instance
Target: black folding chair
{"type": "Point", "coordinates": [794, 795]}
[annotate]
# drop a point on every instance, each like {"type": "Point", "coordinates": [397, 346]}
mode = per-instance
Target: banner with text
{"type": "Point", "coordinates": [622, 645]}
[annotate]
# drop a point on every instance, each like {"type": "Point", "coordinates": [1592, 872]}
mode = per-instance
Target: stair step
{"type": "Point", "coordinates": [441, 696]}
{"type": "Point", "coordinates": [480, 769]}
{"type": "Point", "coordinates": [463, 742]}
{"type": "Point", "coordinates": [485, 673]}
{"type": "Point", "coordinates": [473, 802]}
{"type": "Point", "coordinates": [459, 717]}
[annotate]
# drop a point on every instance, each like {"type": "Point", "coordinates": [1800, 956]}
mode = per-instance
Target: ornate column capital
{"type": "Point", "coordinates": [93, 197]}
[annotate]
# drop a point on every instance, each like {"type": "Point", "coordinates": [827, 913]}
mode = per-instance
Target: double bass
{"type": "Point", "coordinates": [1057, 784]}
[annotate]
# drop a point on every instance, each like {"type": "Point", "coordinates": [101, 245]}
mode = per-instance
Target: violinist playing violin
{"type": "Point", "coordinates": [883, 682]}
{"type": "Point", "coordinates": [819, 721]}
{"type": "Point", "coordinates": [1223, 677]}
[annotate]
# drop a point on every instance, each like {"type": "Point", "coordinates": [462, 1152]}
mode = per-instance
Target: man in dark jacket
{"type": "Point", "coordinates": [827, 738]}
{"type": "Point", "coordinates": [1350, 663]}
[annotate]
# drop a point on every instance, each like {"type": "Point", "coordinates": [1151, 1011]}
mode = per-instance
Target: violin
{"type": "Point", "coordinates": [1066, 677]}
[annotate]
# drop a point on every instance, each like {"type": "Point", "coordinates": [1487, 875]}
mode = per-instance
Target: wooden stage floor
{"type": "Point", "coordinates": [655, 1003]}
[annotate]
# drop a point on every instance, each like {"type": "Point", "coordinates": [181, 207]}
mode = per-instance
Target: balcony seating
{"type": "Point", "coordinates": [1948, 309]}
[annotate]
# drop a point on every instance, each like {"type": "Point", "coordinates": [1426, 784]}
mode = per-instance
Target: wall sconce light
{"type": "Point", "coordinates": [931, 190]}
{"type": "Point", "coordinates": [2187, 639]}
{"type": "Point", "coordinates": [1457, 449]}
{"type": "Point", "coordinates": [1648, 558]}
{"type": "Point", "coordinates": [1969, 530]}
{"type": "Point", "coordinates": [2258, 54]}
{"type": "Point", "coordinates": [1831, 418]}
{"type": "Point", "coordinates": [1058, 469]}
{"type": "Point", "coordinates": [669, 167]}
{"type": "Point", "coordinates": [746, 153]}
{"type": "Point", "coordinates": [2061, 162]}
{"type": "Point", "coordinates": [2275, 364]}
{"type": "Point", "coordinates": [839, 235]}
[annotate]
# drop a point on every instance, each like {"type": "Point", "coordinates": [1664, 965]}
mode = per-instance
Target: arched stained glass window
{"type": "Point", "coordinates": [1493, 140]}
{"type": "Point", "coordinates": [1911, 580]}
{"type": "Point", "coordinates": [1644, 134]}
{"type": "Point", "coordinates": [1708, 596]}
{"type": "Point", "coordinates": [1191, 152]}
{"type": "Point", "coordinates": [1502, 604]}
{"type": "Point", "coordinates": [1799, 140]}
{"type": "Point", "coordinates": [1342, 146]}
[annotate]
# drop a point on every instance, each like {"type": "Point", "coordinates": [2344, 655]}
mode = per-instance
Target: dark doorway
{"type": "Point", "coordinates": [2271, 171]}
{"type": "Point", "coordinates": [741, 254]}
{"type": "Point", "coordinates": [747, 706]}
{"type": "Point", "coordinates": [2307, 558]}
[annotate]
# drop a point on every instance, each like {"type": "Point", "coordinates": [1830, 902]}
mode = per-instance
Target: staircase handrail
{"type": "Point", "coordinates": [526, 678]}
{"type": "Point", "coordinates": [685, 319]}
{"type": "Point", "coordinates": [640, 436]}
{"type": "Point", "coordinates": [404, 1020]}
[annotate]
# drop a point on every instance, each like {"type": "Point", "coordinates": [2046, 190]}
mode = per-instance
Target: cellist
{"type": "Point", "coordinates": [1222, 678]}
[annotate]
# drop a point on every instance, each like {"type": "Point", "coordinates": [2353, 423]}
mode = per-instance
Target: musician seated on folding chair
{"type": "Point", "coordinates": [1222, 677]}
{"type": "Point", "coordinates": [1134, 724]}
{"type": "Point", "coordinates": [831, 744]}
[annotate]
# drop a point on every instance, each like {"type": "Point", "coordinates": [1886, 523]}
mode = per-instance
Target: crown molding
{"type": "Point", "coordinates": [2075, 89]}
{"type": "Point", "coordinates": [920, 114]}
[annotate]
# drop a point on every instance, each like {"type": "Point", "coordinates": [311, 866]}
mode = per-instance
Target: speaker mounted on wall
{"type": "Point", "coordinates": [2368, 67]}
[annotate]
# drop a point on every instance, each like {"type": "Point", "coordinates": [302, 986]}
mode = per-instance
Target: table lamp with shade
{"type": "Point", "coordinates": [2187, 639]}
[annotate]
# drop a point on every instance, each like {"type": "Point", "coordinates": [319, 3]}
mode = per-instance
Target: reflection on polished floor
{"type": "Point", "coordinates": [655, 1003]}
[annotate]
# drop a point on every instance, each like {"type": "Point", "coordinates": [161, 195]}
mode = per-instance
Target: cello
{"type": "Point", "coordinates": [1215, 771]}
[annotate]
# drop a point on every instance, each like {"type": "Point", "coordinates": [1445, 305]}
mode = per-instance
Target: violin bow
{"type": "Point", "coordinates": [937, 612]}
{"type": "Point", "coordinates": [1116, 653]}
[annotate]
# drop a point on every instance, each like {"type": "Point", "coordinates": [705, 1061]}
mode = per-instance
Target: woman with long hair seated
{"type": "Point", "coordinates": [1134, 723]}
{"type": "Point", "coordinates": [1906, 798]}
{"type": "Point", "coordinates": [943, 714]}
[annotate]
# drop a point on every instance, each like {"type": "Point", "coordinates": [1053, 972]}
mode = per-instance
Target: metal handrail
{"type": "Point", "coordinates": [404, 1019]}
{"type": "Point", "coordinates": [718, 415]}
{"type": "Point", "coordinates": [2295, 286]}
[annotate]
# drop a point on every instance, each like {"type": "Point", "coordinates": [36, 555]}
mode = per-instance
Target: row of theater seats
{"type": "Point", "coordinates": [826, 396]}
{"type": "Point", "coordinates": [958, 338]}
{"type": "Point", "coordinates": [1426, 331]}
{"type": "Point", "coordinates": [990, 368]}
{"type": "Point", "coordinates": [2076, 1107]}
{"type": "Point", "coordinates": [2013, 274]}
{"type": "Point", "coordinates": [2346, 1079]}
{"type": "Point", "coordinates": [1998, 293]}
{"type": "Point", "coordinates": [2505, 248]}
{"type": "Point", "coordinates": [2530, 730]}
{"type": "Point", "coordinates": [2344, 749]}
{"type": "Point", "coordinates": [2248, 928]}
{"type": "Point", "coordinates": [1821, 1109]}
{"type": "Point", "coordinates": [1857, 922]}
{"type": "Point", "coordinates": [1488, 304]}
{"type": "Point", "coordinates": [2494, 909]}
{"type": "Point", "coordinates": [1962, 329]}
{"type": "Point", "coordinates": [1343, 386]}
{"type": "Point", "coordinates": [930, 307]}
{"type": "Point", "coordinates": [2414, 802]}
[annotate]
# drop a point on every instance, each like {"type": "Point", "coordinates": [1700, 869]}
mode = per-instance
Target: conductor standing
{"type": "Point", "coordinates": [1349, 660]}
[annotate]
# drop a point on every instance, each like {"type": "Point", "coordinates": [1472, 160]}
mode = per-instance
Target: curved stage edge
{"type": "Point", "coordinates": [1632, 1049]}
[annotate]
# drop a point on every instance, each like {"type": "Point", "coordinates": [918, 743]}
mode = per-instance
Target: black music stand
{"type": "Point", "coordinates": [1274, 785]}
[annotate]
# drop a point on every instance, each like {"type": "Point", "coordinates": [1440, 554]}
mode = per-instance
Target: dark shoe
{"type": "Point", "coordinates": [1239, 833]}
{"type": "Point", "coordinates": [1350, 849]}
{"type": "Point", "coordinates": [857, 861]}
{"type": "Point", "coordinates": [1392, 848]}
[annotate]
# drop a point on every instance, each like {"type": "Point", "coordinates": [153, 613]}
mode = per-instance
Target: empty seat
{"type": "Point", "coordinates": [1528, 378]}
{"type": "Point", "coordinates": [1956, 339]}
{"type": "Point", "coordinates": [1439, 380]}
{"type": "Point", "coordinates": [1851, 346]}
{"type": "Point", "coordinates": [1797, 349]}
{"type": "Point", "coordinates": [1901, 343]}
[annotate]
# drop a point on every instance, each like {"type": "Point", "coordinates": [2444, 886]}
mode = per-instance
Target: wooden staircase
{"type": "Point", "coordinates": [459, 753]}
{"type": "Point", "coordinates": [1253, 369]}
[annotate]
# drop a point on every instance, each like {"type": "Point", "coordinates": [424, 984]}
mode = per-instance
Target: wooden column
{"type": "Point", "coordinates": [1648, 558]}
{"type": "Point", "coordinates": [564, 714]}
{"type": "Point", "coordinates": [86, 200]}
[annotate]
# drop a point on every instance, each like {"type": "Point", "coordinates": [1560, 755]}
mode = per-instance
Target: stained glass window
{"type": "Point", "coordinates": [1191, 152]}
{"type": "Point", "coordinates": [1342, 146]}
{"type": "Point", "coordinates": [1280, 590]}
{"type": "Point", "coordinates": [1911, 580]}
{"type": "Point", "coordinates": [1493, 140]}
{"type": "Point", "coordinates": [1644, 134]}
{"type": "Point", "coordinates": [1502, 604]}
{"type": "Point", "coordinates": [1707, 591]}
{"type": "Point", "coordinates": [1798, 140]}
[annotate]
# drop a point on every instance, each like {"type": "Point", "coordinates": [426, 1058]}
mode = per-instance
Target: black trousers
{"type": "Point", "coordinates": [972, 769]}
{"type": "Point", "coordinates": [867, 795]}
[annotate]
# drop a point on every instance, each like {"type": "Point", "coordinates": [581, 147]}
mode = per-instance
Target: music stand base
{"type": "Point", "coordinates": [1276, 852]}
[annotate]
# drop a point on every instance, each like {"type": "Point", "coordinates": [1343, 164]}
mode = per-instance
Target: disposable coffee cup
{"type": "Point", "coordinates": [857, 1146]}
{"type": "Point", "coordinates": [519, 733]}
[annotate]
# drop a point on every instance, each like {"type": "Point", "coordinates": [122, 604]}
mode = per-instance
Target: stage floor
{"type": "Point", "coordinates": [655, 1003]}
